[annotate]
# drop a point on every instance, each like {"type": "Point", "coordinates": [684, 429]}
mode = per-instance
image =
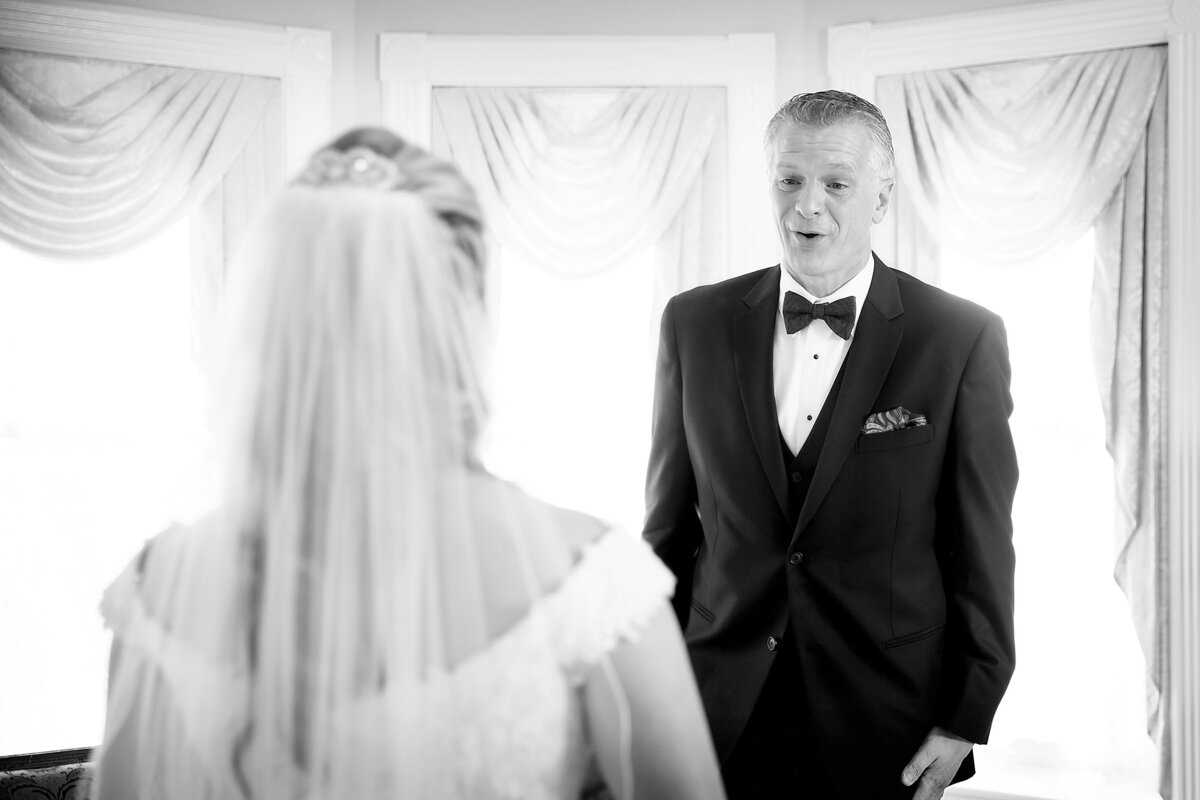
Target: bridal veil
{"type": "Point", "coordinates": [356, 553]}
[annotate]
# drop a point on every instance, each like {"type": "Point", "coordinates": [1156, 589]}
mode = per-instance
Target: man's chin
{"type": "Point", "coordinates": [806, 263]}
{"type": "Point", "coordinates": [820, 275]}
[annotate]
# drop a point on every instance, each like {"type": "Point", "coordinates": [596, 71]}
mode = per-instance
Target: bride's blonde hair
{"type": "Point", "coordinates": [436, 182]}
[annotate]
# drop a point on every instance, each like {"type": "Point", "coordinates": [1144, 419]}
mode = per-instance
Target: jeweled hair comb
{"type": "Point", "coordinates": [358, 166]}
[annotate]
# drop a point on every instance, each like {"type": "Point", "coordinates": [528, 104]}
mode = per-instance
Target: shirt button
{"type": "Point", "coordinates": [810, 417]}
{"type": "Point", "coordinates": [772, 643]}
{"type": "Point", "coordinates": [795, 558]}
{"type": "Point", "coordinates": [797, 477]}
{"type": "Point", "coordinates": [815, 356]}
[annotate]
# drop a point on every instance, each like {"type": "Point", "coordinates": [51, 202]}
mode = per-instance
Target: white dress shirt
{"type": "Point", "coordinates": [807, 362]}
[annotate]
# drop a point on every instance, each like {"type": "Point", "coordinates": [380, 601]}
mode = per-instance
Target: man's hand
{"type": "Point", "coordinates": [936, 762]}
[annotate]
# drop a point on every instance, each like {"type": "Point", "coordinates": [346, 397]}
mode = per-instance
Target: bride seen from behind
{"type": "Point", "coordinates": [369, 612]}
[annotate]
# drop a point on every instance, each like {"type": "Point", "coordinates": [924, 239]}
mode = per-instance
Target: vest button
{"type": "Point", "coordinates": [797, 477]}
{"type": "Point", "coordinates": [795, 558]}
{"type": "Point", "coordinates": [772, 642]}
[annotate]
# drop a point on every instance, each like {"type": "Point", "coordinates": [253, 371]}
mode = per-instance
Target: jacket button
{"type": "Point", "coordinates": [772, 642]}
{"type": "Point", "coordinates": [795, 558]}
{"type": "Point", "coordinates": [797, 477]}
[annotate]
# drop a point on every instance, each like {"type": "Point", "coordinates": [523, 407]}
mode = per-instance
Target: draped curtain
{"type": "Point", "coordinates": [579, 188]}
{"type": "Point", "coordinates": [603, 202]}
{"type": "Point", "coordinates": [97, 156]}
{"type": "Point", "coordinates": [1010, 162]}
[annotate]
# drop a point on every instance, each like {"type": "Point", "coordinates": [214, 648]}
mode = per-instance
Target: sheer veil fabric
{"type": "Point", "coordinates": [282, 646]}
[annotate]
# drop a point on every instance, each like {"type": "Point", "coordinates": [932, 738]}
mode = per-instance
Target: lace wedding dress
{"type": "Point", "coordinates": [506, 722]}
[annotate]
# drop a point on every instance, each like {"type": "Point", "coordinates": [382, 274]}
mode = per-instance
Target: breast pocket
{"type": "Point", "coordinates": [890, 440]}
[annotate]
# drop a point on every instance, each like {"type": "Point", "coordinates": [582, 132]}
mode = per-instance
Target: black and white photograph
{"type": "Point", "coordinates": [553, 400]}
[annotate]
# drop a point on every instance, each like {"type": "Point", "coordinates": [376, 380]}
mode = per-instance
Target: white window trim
{"type": "Point", "coordinates": [862, 52]}
{"type": "Point", "coordinates": [299, 57]}
{"type": "Point", "coordinates": [412, 64]}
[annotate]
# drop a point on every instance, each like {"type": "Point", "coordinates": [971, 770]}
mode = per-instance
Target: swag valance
{"type": "Point", "coordinates": [97, 156]}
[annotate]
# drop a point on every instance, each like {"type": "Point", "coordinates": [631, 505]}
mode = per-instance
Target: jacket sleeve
{"type": "Point", "coordinates": [672, 525]}
{"type": "Point", "coordinates": [975, 531]}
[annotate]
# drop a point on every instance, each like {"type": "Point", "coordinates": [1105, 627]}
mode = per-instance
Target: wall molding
{"type": "Point", "coordinates": [862, 52]}
{"type": "Point", "coordinates": [1183, 395]}
{"type": "Point", "coordinates": [412, 64]}
{"type": "Point", "coordinates": [985, 37]}
{"type": "Point", "coordinates": [300, 57]}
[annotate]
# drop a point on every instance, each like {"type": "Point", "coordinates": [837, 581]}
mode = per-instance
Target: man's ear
{"type": "Point", "coordinates": [882, 200]}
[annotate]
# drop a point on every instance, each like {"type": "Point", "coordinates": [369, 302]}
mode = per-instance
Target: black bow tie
{"type": "Point", "coordinates": [838, 315]}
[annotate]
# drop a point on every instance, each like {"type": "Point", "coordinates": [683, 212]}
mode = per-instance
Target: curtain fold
{"type": "Point", "coordinates": [97, 156]}
{"type": "Point", "coordinates": [1011, 162]}
{"type": "Point", "coordinates": [581, 191]}
{"type": "Point", "coordinates": [1127, 332]}
{"type": "Point", "coordinates": [1006, 162]}
{"type": "Point", "coordinates": [219, 221]}
{"type": "Point", "coordinates": [691, 251]}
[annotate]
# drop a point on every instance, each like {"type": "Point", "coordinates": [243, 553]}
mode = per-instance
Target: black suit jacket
{"type": "Point", "coordinates": [901, 603]}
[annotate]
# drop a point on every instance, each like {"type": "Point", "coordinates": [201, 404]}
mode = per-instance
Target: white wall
{"type": "Point", "coordinates": [822, 14]}
{"type": "Point", "coordinates": [784, 18]}
{"type": "Point", "coordinates": [799, 27]}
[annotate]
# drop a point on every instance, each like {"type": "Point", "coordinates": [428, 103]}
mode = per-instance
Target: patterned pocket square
{"type": "Point", "coordinates": [893, 420]}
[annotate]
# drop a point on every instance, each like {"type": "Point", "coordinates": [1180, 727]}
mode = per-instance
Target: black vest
{"type": "Point", "coordinates": [800, 467]}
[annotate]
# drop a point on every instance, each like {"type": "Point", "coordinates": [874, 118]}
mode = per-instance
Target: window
{"type": "Point", "coordinates": [1073, 722]}
{"type": "Point", "coordinates": [579, 270]}
{"type": "Point", "coordinates": [101, 441]}
{"type": "Point", "coordinates": [573, 378]}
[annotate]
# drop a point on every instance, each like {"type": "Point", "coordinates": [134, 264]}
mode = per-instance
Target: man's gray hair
{"type": "Point", "coordinates": [831, 107]}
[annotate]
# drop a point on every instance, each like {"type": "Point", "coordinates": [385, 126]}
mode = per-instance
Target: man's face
{"type": "Point", "coordinates": [826, 197]}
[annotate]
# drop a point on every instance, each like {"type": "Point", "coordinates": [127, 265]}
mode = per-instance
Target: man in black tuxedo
{"type": "Point", "coordinates": [831, 480]}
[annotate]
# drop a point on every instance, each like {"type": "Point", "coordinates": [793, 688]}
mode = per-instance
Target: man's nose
{"type": "Point", "coordinates": [810, 202]}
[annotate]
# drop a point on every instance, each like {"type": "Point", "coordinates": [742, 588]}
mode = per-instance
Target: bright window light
{"type": "Point", "coordinates": [101, 435]}
{"type": "Point", "coordinates": [1073, 724]}
{"type": "Point", "coordinates": [573, 379]}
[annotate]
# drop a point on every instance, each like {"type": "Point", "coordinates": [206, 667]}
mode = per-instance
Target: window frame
{"type": "Point", "coordinates": [301, 58]}
{"type": "Point", "coordinates": [860, 53]}
{"type": "Point", "coordinates": [411, 65]}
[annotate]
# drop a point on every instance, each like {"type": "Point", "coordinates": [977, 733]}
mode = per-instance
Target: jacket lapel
{"type": "Point", "coordinates": [753, 350]}
{"type": "Point", "coordinates": [876, 340]}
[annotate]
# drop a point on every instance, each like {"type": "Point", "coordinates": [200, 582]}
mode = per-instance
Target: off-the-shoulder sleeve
{"type": "Point", "coordinates": [609, 596]}
{"type": "Point", "coordinates": [120, 605]}
{"type": "Point", "coordinates": [163, 680]}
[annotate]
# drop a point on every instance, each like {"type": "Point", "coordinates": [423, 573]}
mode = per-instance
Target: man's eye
{"type": "Point", "coordinates": [789, 182]}
{"type": "Point", "coordinates": [837, 186]}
